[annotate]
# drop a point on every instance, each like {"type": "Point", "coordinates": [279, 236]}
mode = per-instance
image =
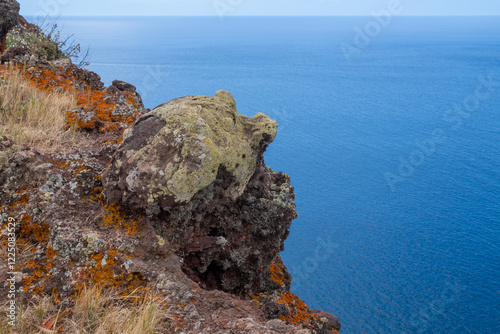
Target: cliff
{"type": "Point", "coordinates": [9, 18]}
{"type": "Point", "coordinates": [175, 203]}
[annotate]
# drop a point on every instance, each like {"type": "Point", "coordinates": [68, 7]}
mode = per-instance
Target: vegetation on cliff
{"type": "Point", "coordinates": [208, 263]}
{"type": "Point", "coordinates": [34, 117]}
{"type": "Point", "coordinates": [93, 311]}
{"type": "Point", "coordinates": [46, 40]}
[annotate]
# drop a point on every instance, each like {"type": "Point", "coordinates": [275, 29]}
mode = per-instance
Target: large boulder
{"type": "Point", "coordinates": [179, 148]}
{"type": "Point", "coordinates": [195, 167]}
{"type": "Point", "coordinates": [9, 17]}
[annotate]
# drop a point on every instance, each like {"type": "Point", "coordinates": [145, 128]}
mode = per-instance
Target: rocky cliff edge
{"type": "Point", "coordinates": [176, 202]}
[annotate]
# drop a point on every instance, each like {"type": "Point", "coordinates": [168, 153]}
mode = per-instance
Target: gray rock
{"type": "Point", "coordinates": [124, 86]}
{"type": "Point", "coordinates": [13, 53]}
{"type": "Point", "coordinates": [62, 62]}
{"type": "Point", "coordinates": [331, 321]}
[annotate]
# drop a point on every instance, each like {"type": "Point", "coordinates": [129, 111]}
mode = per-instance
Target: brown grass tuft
{"type": "Point", "coordinates": [94, 312]}
{"type": "Point", "coordinates": [35, 118]}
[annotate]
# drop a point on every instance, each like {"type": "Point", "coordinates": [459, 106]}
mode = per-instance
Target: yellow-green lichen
{"type": "Point", "coordinates": [161, 241]}
{"type": "Point", "coordinates": [204, 133]}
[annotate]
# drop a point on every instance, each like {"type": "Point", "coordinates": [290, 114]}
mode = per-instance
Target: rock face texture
{"type": "Point", "coordinates": [180, 147]}
{"type": "Point", "coordinates": [195, 166]}
{"type": "Point", "coordinates": [9, 17]}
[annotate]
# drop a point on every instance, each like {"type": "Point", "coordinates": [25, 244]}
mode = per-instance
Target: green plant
{"type": "Point", "coordinates": [45, 40]}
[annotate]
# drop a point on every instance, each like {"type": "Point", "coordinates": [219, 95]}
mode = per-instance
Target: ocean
{"type": "Point", "coordinates": [390, 131]}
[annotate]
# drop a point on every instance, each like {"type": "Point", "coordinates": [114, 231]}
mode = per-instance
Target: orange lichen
{"type": "Point", "coordinates": [93, 101]}
{"type": "Point", "coordinates": [40, 272]}
{"type": "Point", "coordinates": [117, 219]}
{"type": "Point", "coordinates": [21, 197]}
{"type": "Point", "coordinates": [55, 296]}
{"type": "Point", "coordinates": [277, 272]}
{"type": "Point", "coordinates": [106, 272]}
{"type": "Point", "coordinates": [297, 312]}
{"type": "Point", "coordinates": [257, 298]}
{"type": "Point", "coordinates": [33, 232]}
{"type": "Point", "coordinates": [74, 167]}
{"type": "Point", "coordinates": [101, 272]}
{"type": "Point", "coordinates": [29, 234]}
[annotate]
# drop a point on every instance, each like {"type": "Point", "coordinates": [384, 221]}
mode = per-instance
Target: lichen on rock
{"type": "Point", "coordinates": [7, 149]}
{"type": "Point", "coordinates": [195, 167]}
{"type": "Point", "coordinates": [176, 150]}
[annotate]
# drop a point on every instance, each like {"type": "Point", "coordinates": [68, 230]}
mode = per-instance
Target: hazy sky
{"type": "Point", "coordinates": [255, 7]}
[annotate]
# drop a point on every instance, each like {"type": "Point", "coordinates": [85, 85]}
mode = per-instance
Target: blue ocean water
{"type": "Point", "coordinates": [391, 138]}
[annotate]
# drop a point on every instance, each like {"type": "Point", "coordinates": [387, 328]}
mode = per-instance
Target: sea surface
{"type": "Point", "coordinates": [391, 138]}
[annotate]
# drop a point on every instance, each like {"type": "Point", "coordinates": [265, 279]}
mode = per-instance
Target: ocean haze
{"type": "Point", "coordinates": [254, 7]}
{"type": "Point", "coordinates": [392, 147]}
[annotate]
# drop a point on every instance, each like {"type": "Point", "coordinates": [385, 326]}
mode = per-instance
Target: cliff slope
{"type": "Point", "coordinates": [176, 202]}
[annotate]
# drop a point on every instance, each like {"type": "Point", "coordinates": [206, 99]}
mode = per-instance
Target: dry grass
{"type": "Point", "coordinates": [94, 312]}
{"type": "Point", "coordinates": [35, 118]}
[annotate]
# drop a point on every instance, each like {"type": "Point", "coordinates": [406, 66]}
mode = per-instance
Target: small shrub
{"type": "Point", "coordinates": [46, 41]}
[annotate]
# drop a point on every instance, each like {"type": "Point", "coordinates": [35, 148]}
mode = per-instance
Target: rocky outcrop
{"type": "Point", "coordinates": [9, 17]}
{"type": "Point", "coordinates": [195, 166]}
{"type": "Point", "coordinates": [176, 202]}
{"type": "Point", "coordinates": [179, 148]}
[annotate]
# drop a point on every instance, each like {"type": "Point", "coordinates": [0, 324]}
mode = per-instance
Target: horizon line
{"type": "Point", "coordinates": [295, 16]}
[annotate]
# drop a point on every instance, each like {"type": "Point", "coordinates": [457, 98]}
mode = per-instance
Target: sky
{"type": "Point", "coordinates": [256, 7]}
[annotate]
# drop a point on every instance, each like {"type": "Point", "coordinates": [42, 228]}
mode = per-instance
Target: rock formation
{"type": "Point", "coordinates": [9, 17]}
{"type": "Point", "coordinates": [175, 202]}
{"type": "Point", "coordinates": [176, 150]}
{"type": "Point", "coordinates": [195, 166]}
